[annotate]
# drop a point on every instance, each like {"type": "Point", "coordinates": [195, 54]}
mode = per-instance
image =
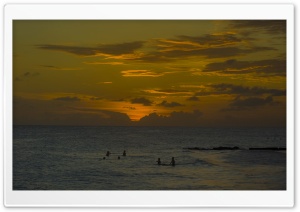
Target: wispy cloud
{"type": "Point", "coordinates": [96, 98]}
{"type": "Point", "coordinates": [274, 67]}
{"type": "Point", "coordinates": [224, 88]}
{"type": "Point", "coordinates": [67, 99]}
{"type": "Point", "coordinates": [104, 63]}
{"type": "Point", "coordinates": [107, 82]}
{"type": "Point", "coordinates": [167, 91]}
{"type": "Point", "coordinates": [269, 26]}
{"type": "Point", "coordinates": [240, 103]}
{"type": "Point", "coordinates": [59, 68]}
{"type": "Point", "coordinates": [140, 73]}
{"type": "Point", "coordinates": [110, 49]}
{"type": "Point", "coordinates": [26, 75]}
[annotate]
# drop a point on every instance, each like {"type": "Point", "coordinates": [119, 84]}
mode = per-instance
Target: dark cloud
{"type": "Point", "coordinates": [209, 40]}
{"type": "Point", "coordinates": [141, 100]}
{"type": "Point", "coordinates": [275, 67]}
{"type": "Point", "coordinates": [17, 79]}
{"type": "Point", "coordinates": [224, 88]}
{"type": "Point", "coordinates": [104, 117]}
{"type": "Point", "coordinates": [26, 75]}
{"type": "Point", "coordinates": [193, 98]}
{"type": "Point", "coordinates": [211, 52]}
{"type": "Point", "coordinates": [95, 98]}
{"type": "Point", "coordinates": [58, 68]}
{"type": "Point", "coordinates": [83, 51]}
{"type": "Point", "coordinates": [130, 108]}
{"type": "Point", "coordinates": [175, 119]}
{"type": "Point", "coordinates": [123, 48]}
{"type": "Point", "coordinates": [169, 104]}
{"type": "Point", "coordinates": [248, 103]}
{"type": "Point", "coordinates": [51, 67]}
{"type": "Point", "coordinates": [269, 26]}
{"type": "Point", "coordinates": [111, 49]}
{"type": "Point", "coordinates": [207, 46]}
{"type": "Point", "coordinates": [67, 99]}
{"type": "Point", "coordinates": [45, 112]}
{"type": "Point", "coordinates": [31, 74]}
{"type": "Point", "coordinates": [170, 91]}
{"type": "Point", "coordinates": [184, 42]}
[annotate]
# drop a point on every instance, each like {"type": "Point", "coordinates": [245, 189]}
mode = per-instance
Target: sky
{"type": "Point", "coordinates": [208, 73]}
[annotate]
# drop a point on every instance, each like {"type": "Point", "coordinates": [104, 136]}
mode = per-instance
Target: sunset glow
{"type": "Point", "coordinates": [150, 73]}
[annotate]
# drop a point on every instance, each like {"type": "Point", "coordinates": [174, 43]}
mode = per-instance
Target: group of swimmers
{"type": "Point", "coordinates": [108, 154]}
{"type": "Point", "coordinates": [171, 163]}
{"type": "Point", "coordinates": [158, 160]}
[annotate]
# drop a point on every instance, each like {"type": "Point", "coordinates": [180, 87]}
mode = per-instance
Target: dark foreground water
{"type": "Point", "coordinates": [71, 158]}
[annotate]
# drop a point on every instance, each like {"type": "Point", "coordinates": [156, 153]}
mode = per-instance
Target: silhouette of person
{"type": "Point", "coordinates": [158, 161]}
{"type": "Point", "coordinates": [173, 161]}
{"type": "Point", "coordinates": [107, 153]}
{"type": "Point", "coordinates": [118, 157]}
{"type": "Point", "coordinates": [124, 153]}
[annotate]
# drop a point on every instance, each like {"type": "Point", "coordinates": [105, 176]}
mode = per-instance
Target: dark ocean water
{"type": "Point", "coordinates": [71, 158]}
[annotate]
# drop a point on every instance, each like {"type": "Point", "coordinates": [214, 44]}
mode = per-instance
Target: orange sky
{"type": "Point", "coordinates": [149, 73]}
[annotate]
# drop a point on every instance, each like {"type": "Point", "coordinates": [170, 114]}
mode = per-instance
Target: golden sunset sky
{"type": "Point", "coordinates": [208, 73]}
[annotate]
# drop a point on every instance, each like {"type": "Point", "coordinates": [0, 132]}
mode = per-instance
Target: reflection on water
{"type": "Point", "coordinates": [71, 158]}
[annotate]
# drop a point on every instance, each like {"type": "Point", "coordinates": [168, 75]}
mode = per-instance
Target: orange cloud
{"type": "Point", "coordinates": [140, 73]}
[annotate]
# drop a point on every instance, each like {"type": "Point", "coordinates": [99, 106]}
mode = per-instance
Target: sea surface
{"type": "Point", "coordinates": [72, 158]}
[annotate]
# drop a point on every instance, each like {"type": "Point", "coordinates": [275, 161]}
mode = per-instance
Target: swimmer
{"type": "Point", "coordinates": [158, 161]}
{"type": "Point", "coordinates": [173, 161]}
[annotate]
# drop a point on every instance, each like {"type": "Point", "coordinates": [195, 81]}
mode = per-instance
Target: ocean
{"type": "Point", "coordinates": [72, 158]}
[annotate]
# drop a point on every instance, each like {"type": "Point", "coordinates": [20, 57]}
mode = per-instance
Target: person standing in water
{"type": "Point", "coordinates": [173, 161]}
{"type": "Point", "coordinates": [124, 153]}
{"type": "Point", "coordinates": [158, 161]}
{"type": "Point", "coordinates": [107, 153]}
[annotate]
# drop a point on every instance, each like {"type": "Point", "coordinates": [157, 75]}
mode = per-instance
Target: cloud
{"type": "Point", "coordinates": [130, 108]}
{"type": "Point", "coordinates": [167, 91]}
{"type": "Point", "coordinates": [67, 99]}
{"type": "Point", "coordinates": [105, 117]}
{"type": "Point", "coordinates": [110, 49]}
{"type": "Point", "coordinates": [269, 26]}
{"type": "Point", "coordinates": [26, 76]}
{"type": "Point", "coordinates": [222, 45]}
{"type": "Point", "coordinates": [213, 39]}
{"type": "Point", "coordinates": [142, 101]}
{"type": "Point", "coordinates": [224, 88]}
{"type": "Point", "coordinates": [174, 119]}
{"type": "Point", "coordinates": [108, 82]}
{"type": "Point", "coordinates": [207, 46]}
{"type": "Point", "coordinates": [119, 100]}
{"type": "Point", "coordinates": [274, 67]}
{"type": "Point", "coordinates": [45, 112]}
{"type": "Point", "coordinates": [217, 52]}
{"type": "Point", "coordinates": [208, 52]}
{"type": "Point", "coordinates": [140, 73]}
{"type": "Point", "coordinates": [171, 104]}
{"type": "Point", "coordinates": [95, 98]}
{"type": "Point", "coordinates": [59, 68]}
{"type": "Point", "coordinates": [104, 63]}
{"type": "Point", "coordinates": [184, 42]}
{"type": "Point", "coordinates": [248, 103]}
{"type": "Point", "coordinates": [193, 98]}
